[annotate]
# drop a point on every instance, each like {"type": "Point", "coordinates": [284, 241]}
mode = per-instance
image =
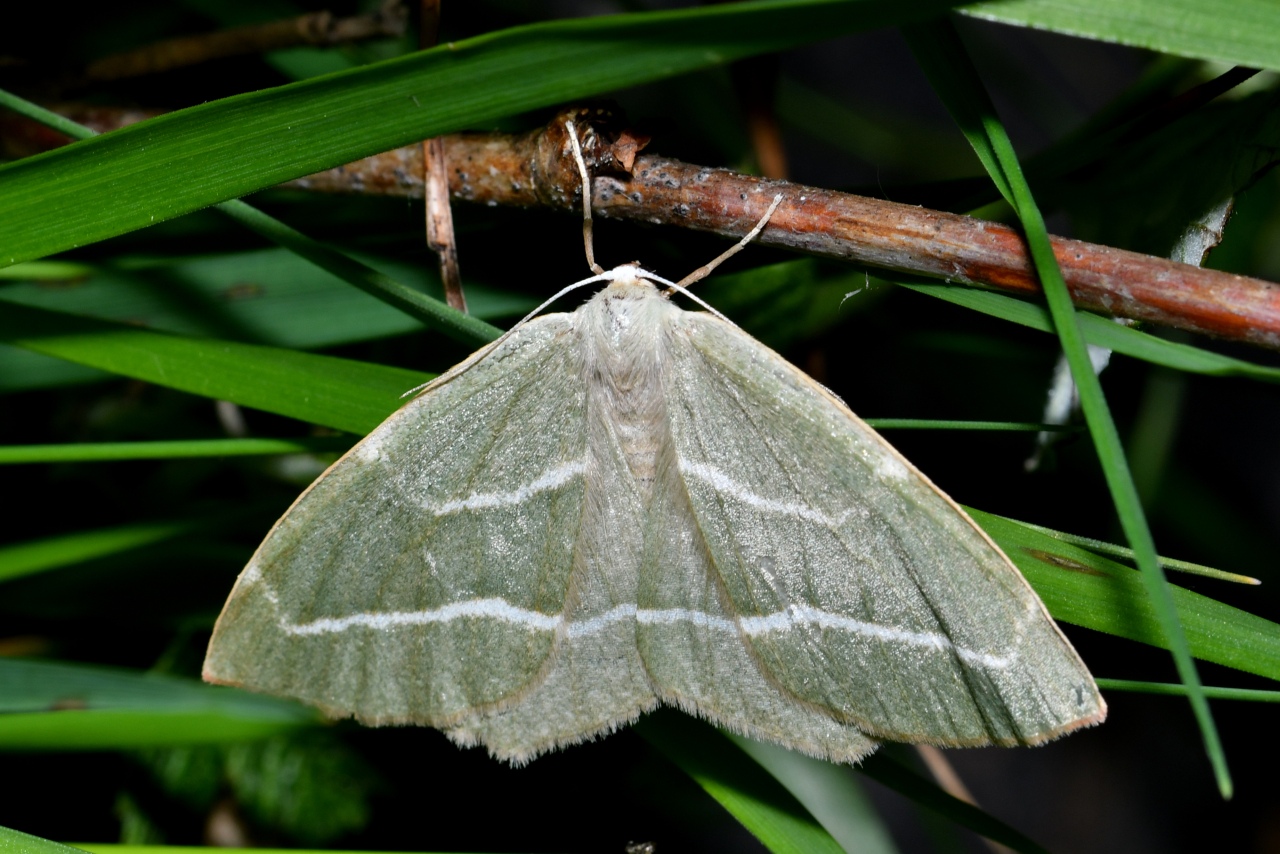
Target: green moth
{"type": "Point", "coordinates": [631, 505]}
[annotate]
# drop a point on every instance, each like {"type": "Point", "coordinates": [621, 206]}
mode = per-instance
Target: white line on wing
{"type": "Point", "coordinates": [779, 621]}
{"type": "Point", "coordinates": [722, 483]}
{"type": "Point", "coordinates": [550, 479]}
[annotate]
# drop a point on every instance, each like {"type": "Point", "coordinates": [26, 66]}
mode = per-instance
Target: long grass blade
{"type": "Point", "coordinates": [1102, 332]}
{"type": "Point", "coordinates": [27, 558]}
{"type": "Point", "coordinates": [339, 393]}
{"type": "Point", "coordinates": [60, 706]}
{"type": "Point", "coordinates": [1252, 695]}
{"type": "Point", "coordinates": [122, 181]}
{"type": "Point", "coordinates": [938, 49]}
{"type": "Point", "coordinates": [166, 450]}
{"type": "Point", "coordinates": [1106, 548]}
{"type": "Point", "coordinates": [1237, 33]}
{"type": "Point", "coordinates": [831, 793]}
{"type": "Point", "coordinates": [454, 323]}
{"type": "Point", "coordinates": [1087, 589]}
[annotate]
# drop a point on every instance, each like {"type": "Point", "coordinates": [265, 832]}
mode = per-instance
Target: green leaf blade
{"type": "Point", "coordinates": [338, 393]}
{"type": "Point", "coordinates": [941, 54]}
{"type": "Point", "coordinates": [1237, 33]}
{"type": "Point", "coordinates": [121, 181]}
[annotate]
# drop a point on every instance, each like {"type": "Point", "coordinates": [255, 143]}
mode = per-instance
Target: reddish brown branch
{"type": "Point", "coordinates": [535, 170]}
{"type": "Point", "coordinates": [532, 170]}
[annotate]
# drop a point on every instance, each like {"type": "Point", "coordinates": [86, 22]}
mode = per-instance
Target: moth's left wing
{"type": "Point", "coordinates": [434, 574]}
{"type": "Point", "coordinates": [858, 588]}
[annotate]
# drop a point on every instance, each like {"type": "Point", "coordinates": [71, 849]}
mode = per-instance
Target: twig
{"type": "Point", "coordinates": [316, 28]}
{"type": "Point", "coordinates": [533, 170]}
{"type": "Point", "coordinates": [439, 215]}
{"type": "Point", "coordinates": [529, 171]}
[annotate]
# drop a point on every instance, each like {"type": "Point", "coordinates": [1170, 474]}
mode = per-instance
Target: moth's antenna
{"type": "Point", "coordinates": [676, 287]}
{"type": "Point", "coordinates": [705, 270]}
{"type": "Point", "coordinates": [588, 239]}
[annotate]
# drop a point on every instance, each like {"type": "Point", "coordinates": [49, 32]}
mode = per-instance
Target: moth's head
{"type": "Point", "coordinates": [629, 281]}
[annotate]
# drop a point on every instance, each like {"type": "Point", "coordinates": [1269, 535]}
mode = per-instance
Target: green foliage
{"type": "Point", "coordinates": [306, 786]}
{"type": "Point", "coordinates": [310, 787]}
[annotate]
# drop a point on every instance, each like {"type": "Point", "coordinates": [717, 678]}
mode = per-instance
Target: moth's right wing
{"type": "Point", "coordinates": [845, 579]}
{"type": "Point", "coordinates": [428, 576]}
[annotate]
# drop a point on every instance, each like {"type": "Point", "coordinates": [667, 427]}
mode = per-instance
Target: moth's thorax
{"type": "Point", "coordinates": [622, 328]}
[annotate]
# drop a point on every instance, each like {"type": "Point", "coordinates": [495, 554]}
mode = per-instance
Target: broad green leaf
{"type": "Point", "coordinates": [21, 370]}
{"type": "Point", "coordinates": [269, 296]}
{"type": "Point", "coordinates": [58, 706]}
{"type": "Point", "coordinates": [123, 180]}
{"type": "Point", "coordinates": [740, 785]}
{"type": "Point", "coordinates": [338, 393]}
{"type": "Point", "coordinates": [1086, 589]}
{"type": "Point", "coordinates": [1238, 32]}
{"type": "Point", "coordinates": [456, 324]}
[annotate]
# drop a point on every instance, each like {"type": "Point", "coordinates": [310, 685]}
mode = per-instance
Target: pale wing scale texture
{"type": "Point", "coordinates": [693, 648]}
{"type": "Point", "coordinates": [858, 587]}
{"type": "Point", "coordinates": [445, 539]}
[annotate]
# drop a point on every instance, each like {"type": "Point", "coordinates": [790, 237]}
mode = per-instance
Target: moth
{"type": "Point", "coordinates": [631, 505]}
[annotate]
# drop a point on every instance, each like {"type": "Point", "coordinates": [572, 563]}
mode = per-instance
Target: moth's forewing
{"type": "Point", "coordinates": [401, 587]}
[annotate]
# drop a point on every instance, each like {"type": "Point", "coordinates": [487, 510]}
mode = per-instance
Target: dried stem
{"type": "Point", "coordinates": [439, 215]}
{"type": "Point", "coordinates": [532, 171]}
{"type": "Point", "coordinates": [440, 235]}
{"type": "Point", "coordinates": [316, 28]}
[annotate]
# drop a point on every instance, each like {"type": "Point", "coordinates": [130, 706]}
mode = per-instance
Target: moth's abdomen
{"type": "Point", "coordinates": [624, 352]}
